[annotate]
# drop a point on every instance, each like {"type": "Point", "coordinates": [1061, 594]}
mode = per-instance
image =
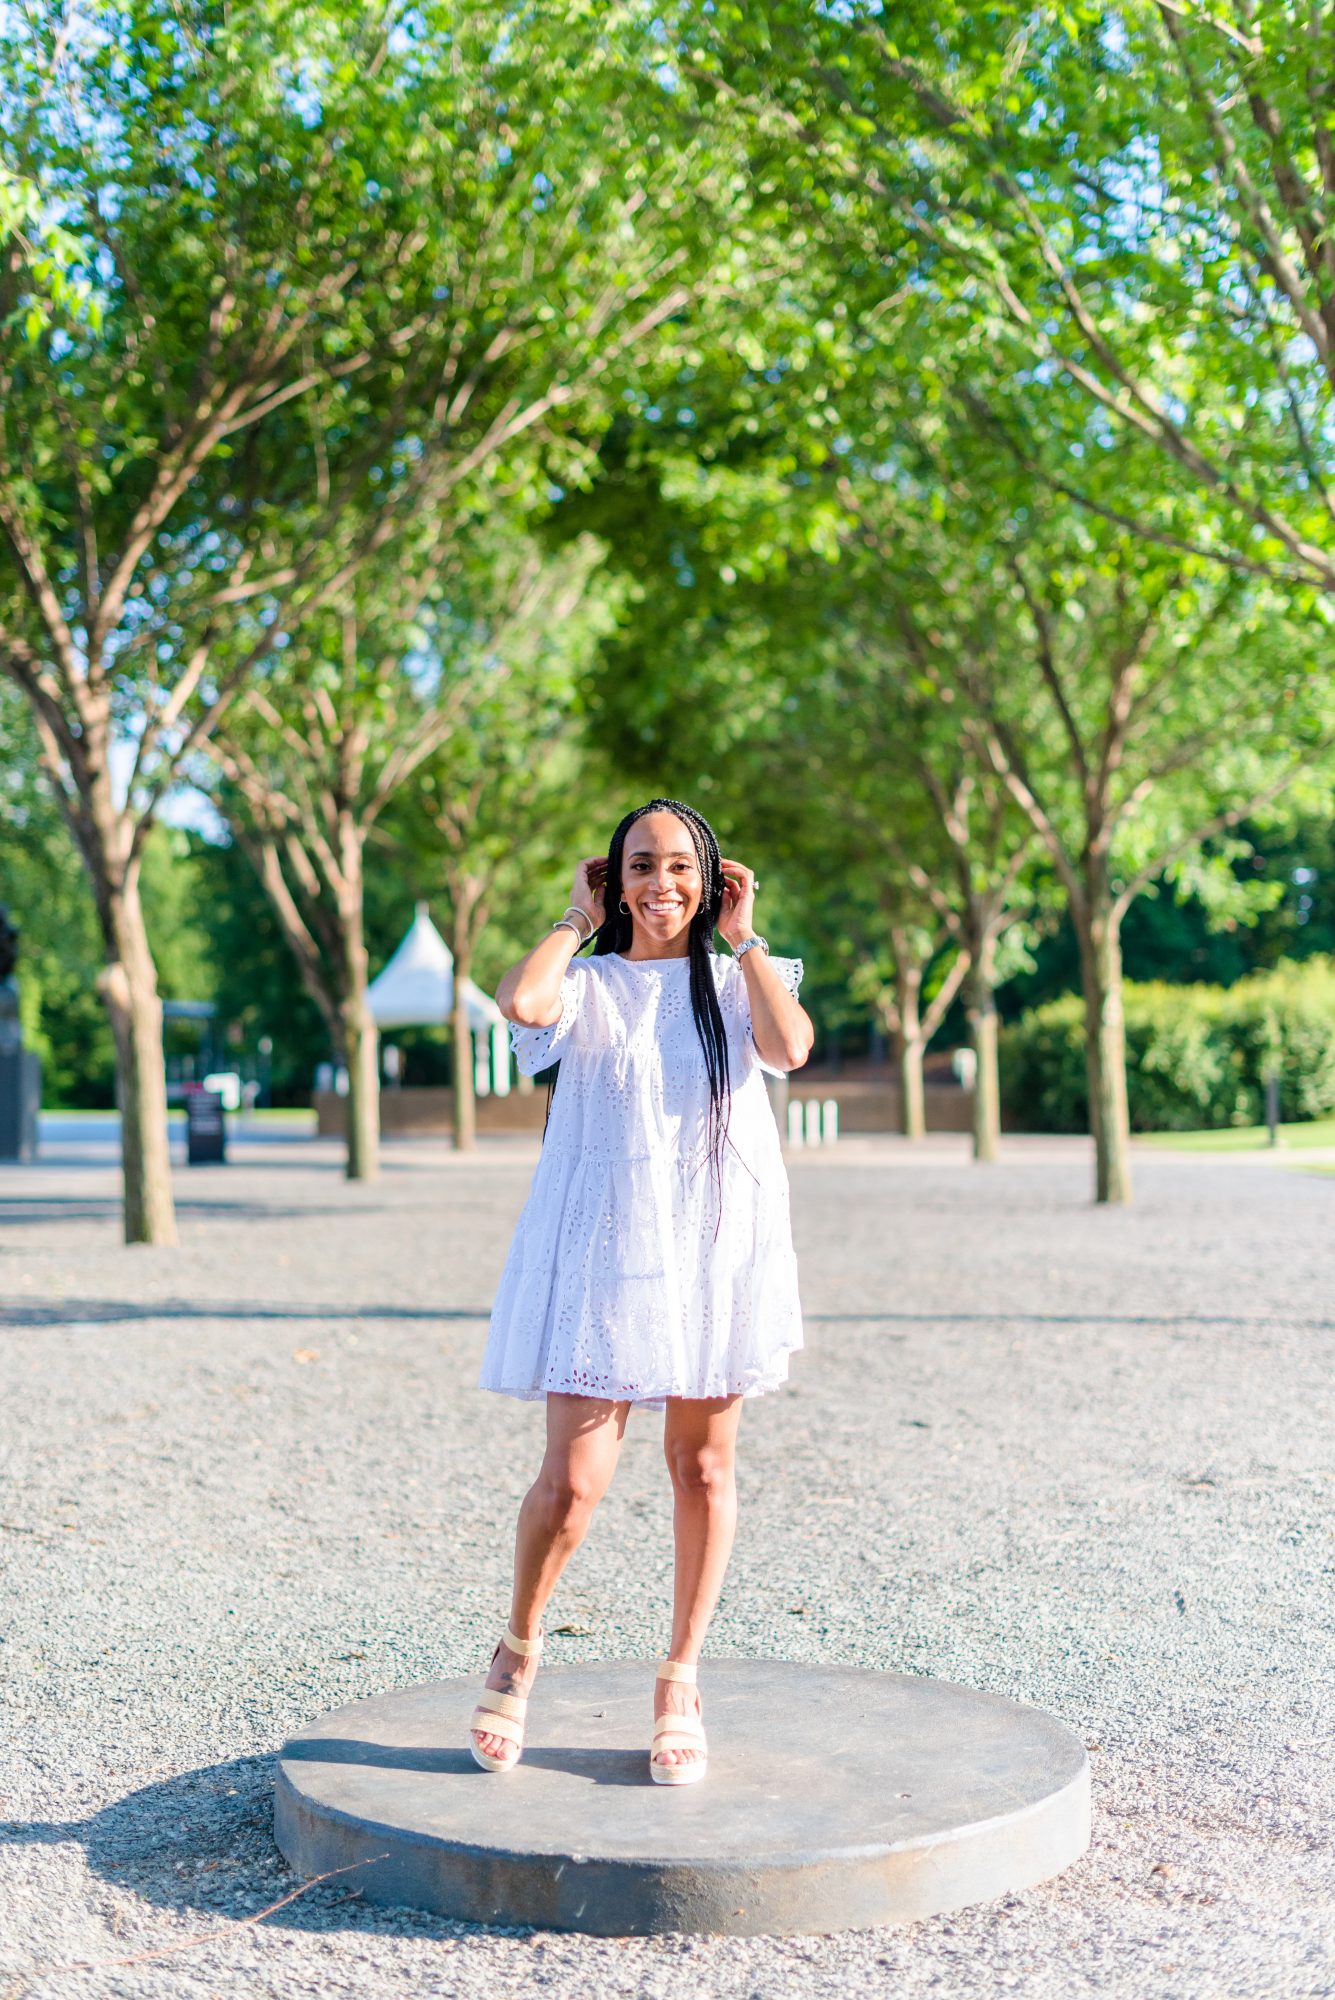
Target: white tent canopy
{"type": "Point", "coordinates": [416, 988]}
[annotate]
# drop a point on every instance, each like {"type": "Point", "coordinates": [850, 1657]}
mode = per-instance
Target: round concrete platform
{"type": "Point", "coordinates": [942, 1796]}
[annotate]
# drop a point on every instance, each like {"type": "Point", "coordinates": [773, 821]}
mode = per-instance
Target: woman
{"type": "Point", "coordinates": [653, 1262]}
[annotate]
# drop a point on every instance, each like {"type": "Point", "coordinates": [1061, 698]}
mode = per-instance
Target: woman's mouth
{"type": "Point", "coordinates": [661, 909]}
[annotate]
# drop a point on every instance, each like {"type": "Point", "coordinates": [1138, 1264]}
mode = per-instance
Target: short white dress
{"type": "Point", "coordinates": [635, 1274]}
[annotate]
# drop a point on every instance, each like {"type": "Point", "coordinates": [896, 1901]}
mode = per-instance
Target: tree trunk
{"type": "Point", "coordinates": [465, 1096]}
{"type": "Point", "coordinates": [361, 1053]}
{"type": "Point", "coordinates": [128, 984]}
{"type": "Point", "coordinates": [981, 1007]}
{"type": "Point", "coordinates": [1099, 930]}
{"type": "Point", "coordinates": [361, 1043]}
{"type": "Point", "coordinates": [467, 917]}
{"type": "Point", "coordinates": [912, 1110]}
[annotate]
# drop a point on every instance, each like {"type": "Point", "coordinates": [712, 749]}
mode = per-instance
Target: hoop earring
{"type": "Point", "coordinates": [624, 907]}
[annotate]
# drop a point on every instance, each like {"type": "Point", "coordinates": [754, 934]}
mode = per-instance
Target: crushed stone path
{"type": "Point", "coordinates": [1080, 1458]}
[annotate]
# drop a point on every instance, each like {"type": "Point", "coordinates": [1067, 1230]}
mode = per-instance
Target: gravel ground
{"type": "Point", "coordinates": [1080, 1458]}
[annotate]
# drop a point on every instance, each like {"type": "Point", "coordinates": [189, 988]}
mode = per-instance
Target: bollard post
{"type": "Point", "coordinates": [777, 1086]}
{"type": "Point", "coordinates": [1272, 1105]}
{"type": "Point", "coordinates": [812, 1110]}
{"type": "Point", "coordinates": [795, 1132]}
{"type": "Point", "coordinates": [829, 1121]}
{"type": "Point", "coordinates": [500, 1059]}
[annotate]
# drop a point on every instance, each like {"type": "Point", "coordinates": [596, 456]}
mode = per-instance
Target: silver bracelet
{"type": "Point", "coordinates": [563, 923]}
{"type": "Point", "coordinates": [750, 945]}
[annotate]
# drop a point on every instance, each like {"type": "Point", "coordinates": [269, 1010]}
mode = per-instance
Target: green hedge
{"type": "Point", "coordinates": [1196, 1055]}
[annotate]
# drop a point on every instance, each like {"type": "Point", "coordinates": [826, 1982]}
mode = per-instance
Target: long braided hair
{"type": "Point", "coordinates": [617, 928]}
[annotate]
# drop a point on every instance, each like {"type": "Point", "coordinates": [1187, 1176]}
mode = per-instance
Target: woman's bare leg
{"type": "Point", "coordinates": [700, 1443]}
{"type": "Point", "coordinates": [583, 1439]}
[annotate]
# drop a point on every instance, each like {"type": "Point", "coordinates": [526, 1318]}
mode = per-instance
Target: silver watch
{"type": "Point", "coordinates": [750, 945]}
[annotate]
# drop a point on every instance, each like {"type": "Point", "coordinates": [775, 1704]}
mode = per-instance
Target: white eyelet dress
{"type": "Point", "coordinates": [628, 1279]}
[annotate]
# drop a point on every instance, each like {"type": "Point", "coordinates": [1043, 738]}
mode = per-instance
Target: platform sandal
{"type": "Point", "coordinates": [500, 1714]}
{"type": "Point", "coordinates": [678, 1732]}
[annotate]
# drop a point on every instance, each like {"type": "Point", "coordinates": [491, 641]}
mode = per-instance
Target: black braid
{"type": "Point", "coordinates": [616, 930]}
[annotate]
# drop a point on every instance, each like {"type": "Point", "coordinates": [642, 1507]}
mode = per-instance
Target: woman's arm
{"type": "Point", "coordinates": [530, 993]}
{"type": "Point", "coordinates": [780, 1026]}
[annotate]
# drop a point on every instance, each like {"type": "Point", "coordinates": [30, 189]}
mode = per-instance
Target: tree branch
{"type": "Point", "coordinates": [1232, 816]}
{"type": "Point", "coordinates": [263, 852]}
{"type": "Point", "coordinates": [37, 582]}
{"type": "Point", "coordinates": [1233, 168]}
{"type": "Point", "coordinates": [1047, 666]}
{"type": "Point", "coordinates": [945, 993]}
{"type": "Point", "coordinates": [1249, 45]}
{"type": "Point", "coordinates": [1133, 401]}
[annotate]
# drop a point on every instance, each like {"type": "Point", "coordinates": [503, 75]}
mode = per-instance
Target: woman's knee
{"type": "Point", "coordinates": [566, 1497]}
{"type": "Point", "coordinates": [702, 1472]}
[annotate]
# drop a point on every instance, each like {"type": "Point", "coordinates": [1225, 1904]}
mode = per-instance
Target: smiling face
{"type": "Point", "coordinates": [660, 881]}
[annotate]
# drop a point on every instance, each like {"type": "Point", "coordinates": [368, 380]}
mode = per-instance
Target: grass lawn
{"type": "Point", "coordinates": [1245, 1138]}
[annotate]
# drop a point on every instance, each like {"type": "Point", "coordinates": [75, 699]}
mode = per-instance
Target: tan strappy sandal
{"type": "Point", "coordinates": [678, 1732]}
{"type": "Point", "coordinates": [499, 1714]}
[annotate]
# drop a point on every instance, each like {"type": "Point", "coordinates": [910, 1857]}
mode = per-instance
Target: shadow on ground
{"type": "Point", "coordinates": [109, 1312]}
{"type": "Point", "coordinates": [61, 1312]}
{"type": "Point", "coordinates": [596, 1767]}
{"type": "Point", "coordinates": [201, 1846]}
{"type": "Point", "coordinates": [59, 1208]}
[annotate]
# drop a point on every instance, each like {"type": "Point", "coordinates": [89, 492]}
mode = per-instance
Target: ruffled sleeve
{"type": "Point", "coordinates": [790, 972]}
{"type": "Point", "coordinates": [536, 1049]}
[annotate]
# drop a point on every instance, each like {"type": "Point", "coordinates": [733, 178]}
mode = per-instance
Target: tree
{"type": "Point", "coordinates": [514, 796]}
{"type": "Point", "coordinates": [1135, 704]}
{"type": "Point", "coordinates": [41, 889]}
{"type": "Point", "coordinates": [1163, 258]}
{"type": "Point", "coordinates": [860, 850]}
{"type": "Point", "coordinates": [984, 890]}
{"type": "Point", "coordinates": [43, 886]}
{"type": "Point", "coordinates": [279, 1034]}
{"type": "Point", "coordinates": [364, 696]}
{"type": "Point", "coordinates": [909, 1005]}
{"type": "Point", "coordinates": [341, 266]}
{"type": "Point", "coordinates": [948, 842]}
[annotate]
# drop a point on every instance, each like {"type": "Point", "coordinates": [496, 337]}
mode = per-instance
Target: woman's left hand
{"type": "Point", "coordinates": [737, 917]}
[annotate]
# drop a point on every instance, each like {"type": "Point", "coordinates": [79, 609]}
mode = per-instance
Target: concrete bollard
{"type": "Point", "coordinates": [812, 1110]}
{"type": "Point", "coordinates": [795, 1129]}
{"type": "Point", "coordinates": [500, 1059]}
{"type": "Point", "coordinates": [829, 1121]}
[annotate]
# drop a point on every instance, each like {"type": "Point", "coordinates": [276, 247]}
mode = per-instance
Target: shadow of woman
{"type": "Point", "coordinates": [596, 1767]}
{"type": "Point", "coordinates": [201, 1844]}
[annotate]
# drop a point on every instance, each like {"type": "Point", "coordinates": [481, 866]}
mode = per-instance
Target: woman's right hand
{"type": "Point", "coordinates": [530, 992]}
{"type": "Point", "coordinates": [588, 893]}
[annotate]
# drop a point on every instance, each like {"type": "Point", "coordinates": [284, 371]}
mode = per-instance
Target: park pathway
{"type": "Point", "coordinates": [1078, 1458]}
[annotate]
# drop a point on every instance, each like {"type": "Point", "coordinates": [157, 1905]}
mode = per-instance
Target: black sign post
{"type": "Point", "coordinates": [205, 1128]}
{"type": "Point", "coordinates": [20, 1071]}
